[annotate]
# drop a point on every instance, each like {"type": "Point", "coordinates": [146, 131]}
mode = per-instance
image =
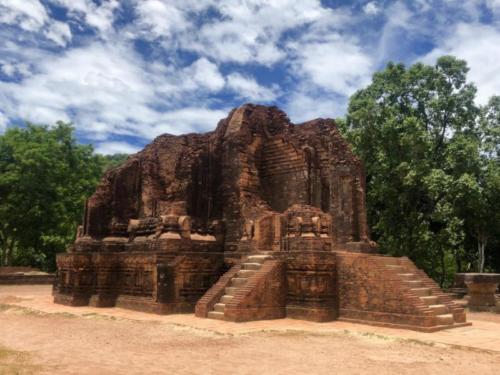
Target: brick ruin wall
{"type": "Point", "coordinates": [167, 230]}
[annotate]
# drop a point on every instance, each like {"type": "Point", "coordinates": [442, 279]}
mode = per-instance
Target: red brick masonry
{"type": "Point", "coordinates": [259, 219]}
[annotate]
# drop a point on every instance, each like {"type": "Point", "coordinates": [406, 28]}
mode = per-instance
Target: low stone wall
{"type": "Point", "coordinates": [24, 275]}
{"type": "Point", "coordinates": [21, 279]}
{"type": "Point", "coordinates": [153, 282]}
{"type": "Point", "coordinates": [11, 270]}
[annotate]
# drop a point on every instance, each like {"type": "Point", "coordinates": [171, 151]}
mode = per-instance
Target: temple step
{"type": "Point", "coordinates": [430, 300]}
{"type": "Point", "coordinates": [216, 315]}
{"type": "Point", "coordinates": [413, 283]}
{"type": "Point", "coordinates": [226, 298]}
{"type": "Point", "coordinates": [238, 281]}
{"type": "Point", "coordinates": [396, 267]}
{"type": "Point", "coordinates": [445, 319]}
{"type": "Point", "coordinates": [245, 273]}
{"type": "Point", "coordinates": [258, 258]}
{"type": "Point", "coordinates": [219, 307]}
{"type": "Point", "coordinates": [251, 266]}
{"type": "Point", "coordinates": [439, 309]}
{"type": "Point", "coordinates": [230, 290]}
{"type": "Point", "coordinates": [407, 276]}
{"type": "Point", "coordinates": [391, 260]}
{"type": "Point", "coordinates": [421, 291]}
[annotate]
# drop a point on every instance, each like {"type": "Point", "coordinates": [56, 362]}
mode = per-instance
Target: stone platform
{"type": "Point", "coordinates": [481, 290]}
{"type": "Point", "coordinates": [24, 275]}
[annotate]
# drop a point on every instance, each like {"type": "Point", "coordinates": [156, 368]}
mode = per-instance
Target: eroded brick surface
{"type": "Point", "coordinates": [259, 219]}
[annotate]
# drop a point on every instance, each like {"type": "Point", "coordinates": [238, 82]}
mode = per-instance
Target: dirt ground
{"type": "Point", "coordinates": [36, 342]}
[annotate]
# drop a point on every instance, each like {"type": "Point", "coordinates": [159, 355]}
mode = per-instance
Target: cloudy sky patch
{"type": "Point", "coordinates": [126, 71]}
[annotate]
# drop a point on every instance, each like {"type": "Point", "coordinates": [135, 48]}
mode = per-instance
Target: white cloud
{"type": "Point", "coordinates": [248, 88]}
{"type": "Point", "coordinates": [494, 6]}
{"type": "Point", "coordinates": [371, 8]}
{"type": "Point", "coordinates": [400, 21]}
{"type": "Point", "coordinates": [100, 17]}
{"type": "Point", "coordinates": [8, 69]}
{"type": "Point", "coordinates": [187, 120]}
{"type": "Point", "coordinates": [247, 31]}
{"type": "Point", "coordinates": [327, 64]}
{"type": "Point", "coordinates": [203, 73]}
{"type": "Point", "coordinates": [109, 89]}
{"type": "Point", "coordinates": [479, 45]}
{"type": "Point", "coordinates": [99, 81]}
{"type": "Point", "coordinates": [108, 148]}
{"type": "Point", "coordinates": [250, 31]}
{"type": "Point", "coordinates": [302, 106]}
{"type": "Point", "coordinates": [161, 18]}
{"type": "Point", "coordinates": [59, 32]}
{"type": "Point", "coordinates": [11, 68]}
{"type": "Point", "coordinates": [335, 64]}
{"type": "Point", "coordinates": [3, 122]}
{"type": "Point", "coordinates": [30, 15]}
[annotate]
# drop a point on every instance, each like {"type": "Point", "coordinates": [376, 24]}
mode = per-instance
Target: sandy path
{"type": "Point", "coordinates": [94, 345]}
{"type": "Point", "coordinates": [90, 343]}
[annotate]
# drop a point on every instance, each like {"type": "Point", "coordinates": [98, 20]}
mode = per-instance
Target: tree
{"type": "Point", "coordinates": [418, 132]}
{"type": "Point", "coordinates": [484, 220]}
{"type": "Point", "coordinates": [114, 160]}
{"type": "Point", "coordinates": [45, 177]}
{"type": "Point", "coordinates": [490, 128]}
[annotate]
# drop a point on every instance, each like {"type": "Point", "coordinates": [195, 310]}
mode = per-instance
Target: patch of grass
{"type": "Point", "coordinates": [420, 342]}
{"type": "Point", "coordinates": [13, 299]}
{"type": "Point", "coordinates": [345, 334]}
{"type": "Point", "coordinates": [63, 314]}
{"type": "Point", "coordinates": [33, 312]}
{"type": "Point", "coordinates": [97, 316]}
{"type": "Point", "coordinates": [89, 314]}
{"type": "Point", "coordinates": [16, 363]}
{"type": "Point", "coordinates": [372, 335]}
{"type": "Point", "coordinates": [4, 307]}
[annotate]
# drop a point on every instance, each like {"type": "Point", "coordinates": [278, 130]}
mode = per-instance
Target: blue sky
{"type": "Point", "coordinates": [127, 71]}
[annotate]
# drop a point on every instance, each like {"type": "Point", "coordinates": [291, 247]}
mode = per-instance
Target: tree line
{"type": "Point", "coordinates": [45, 178]}
{"type": "Point", "coordinates": [431, 157]}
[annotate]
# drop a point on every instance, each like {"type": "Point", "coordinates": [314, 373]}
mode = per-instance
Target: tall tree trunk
{"type": "Point", "coordinates": [458, 261]}
{"type": "Point", "coordinates": [9, 252]}
{"type": "Point", "coordinates": [443, 270]}
{"type": "Point", "coordinates": [481, 244]}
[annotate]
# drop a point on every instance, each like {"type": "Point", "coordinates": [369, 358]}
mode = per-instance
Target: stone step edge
{"type": "Point", "coordinates": [404, 326]}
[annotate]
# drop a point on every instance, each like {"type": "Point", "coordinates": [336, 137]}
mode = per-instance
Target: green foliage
{"type": "Point", "coordinates": [490, 128]}
{"type": "Point", "coordinates": [429, 155]}
{"type": "Point", "coordinates": [45, 177]}
{"type": "Point", "coordinates": [112, 161]}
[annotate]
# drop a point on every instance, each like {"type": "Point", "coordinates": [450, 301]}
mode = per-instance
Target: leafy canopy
{"type": "Point", "coordinates": [45, 177]}
{"type": "Point", "coordinates": [428, 151]}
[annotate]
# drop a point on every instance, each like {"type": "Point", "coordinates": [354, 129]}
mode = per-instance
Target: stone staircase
{"type": "Point", "coordinates": [249, 267]}
{"type": "Point", "coordinates": [437, 304]}
{"type": "Point", "coordinates": [392, 292]}
{"type": "Point", "coordinates": [373, 289]}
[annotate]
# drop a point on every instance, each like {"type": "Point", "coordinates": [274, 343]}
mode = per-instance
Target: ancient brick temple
{"type": "Point", "coordinates": [259, 219]}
